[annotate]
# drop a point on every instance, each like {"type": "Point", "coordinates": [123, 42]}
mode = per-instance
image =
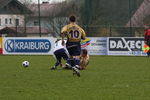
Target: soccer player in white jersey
{"type": "Point", "coordinates": [59, 52]}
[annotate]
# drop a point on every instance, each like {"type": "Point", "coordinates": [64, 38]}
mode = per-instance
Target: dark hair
{"type": "Point", "coordinates": [57, 40]}
{"type": "Point", "coordinates": [84, 51]}
{"type": "Point", "coordinates": [72, 18]}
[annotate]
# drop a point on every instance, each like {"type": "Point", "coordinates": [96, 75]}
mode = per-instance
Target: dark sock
{"type": "Point", "coordinates": [77, 61]}
{"type": "Point", "coordinates": [57, 63]}
{"type": "Point", "coordinates": [71, 62]}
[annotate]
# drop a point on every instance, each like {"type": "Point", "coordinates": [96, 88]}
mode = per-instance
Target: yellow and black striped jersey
{"type": "Point", "coordinates": [73, 32]}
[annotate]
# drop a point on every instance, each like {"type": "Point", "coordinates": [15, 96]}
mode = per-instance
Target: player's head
{"type": "Point", "coordinates": [72, 18]}
{"type": "Point", "coordinates": [57, 40]}
{"type": "Point", "coordinates": [84, 52]}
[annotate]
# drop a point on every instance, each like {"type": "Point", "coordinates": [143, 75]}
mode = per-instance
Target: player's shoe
{"type": "Point", "coordinates": [53, 68]}
{"type": "Point", "coordinates": [67, 66]}
{"type": "Point", "coordinates": [76, 71]}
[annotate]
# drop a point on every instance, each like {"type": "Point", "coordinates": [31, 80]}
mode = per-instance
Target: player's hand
{"type": "Point", "coordinates": [63, 43]}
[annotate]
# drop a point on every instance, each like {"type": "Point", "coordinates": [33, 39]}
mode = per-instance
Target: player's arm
{"type": "Point", "coordinates": [145, 37]}
{"type": "Point", "coordinates": [83, 34]}
{"type": "Point", "coordinates": [88, 58]}
{"type": "Point", "coordinates": [62, 34]}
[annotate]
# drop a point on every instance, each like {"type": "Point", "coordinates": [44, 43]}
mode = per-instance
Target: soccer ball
{"type": "Point", "coordinates": [25, 64]}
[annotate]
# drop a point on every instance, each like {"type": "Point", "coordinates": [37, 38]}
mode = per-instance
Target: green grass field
{"type": "Point", "coordinates": [106, 78]}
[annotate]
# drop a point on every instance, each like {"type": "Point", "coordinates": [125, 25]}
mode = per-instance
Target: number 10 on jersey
{"type": "Point", "coordinates": [74, 34]}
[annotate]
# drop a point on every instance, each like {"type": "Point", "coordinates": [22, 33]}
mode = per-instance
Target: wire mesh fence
{"type": "Point", "coordinates": [109, 31]}
{"type": "Point", "coordinates": [115, 18]}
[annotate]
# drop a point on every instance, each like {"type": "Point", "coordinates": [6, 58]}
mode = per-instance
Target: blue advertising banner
{"type": "Point", "coordinates": [28, 45]}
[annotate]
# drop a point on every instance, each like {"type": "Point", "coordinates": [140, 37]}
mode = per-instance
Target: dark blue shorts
{"type": "Point", "coordinates": [61, 53]}
{"type": "Point", "coordinates": [74, 48]}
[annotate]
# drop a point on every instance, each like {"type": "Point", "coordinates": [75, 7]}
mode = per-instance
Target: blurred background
{"type": "Point", "coordinates": [99, 18]}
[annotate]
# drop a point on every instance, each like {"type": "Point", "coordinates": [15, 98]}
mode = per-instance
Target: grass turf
{"type": "Point", "coordinates": [106, 78]}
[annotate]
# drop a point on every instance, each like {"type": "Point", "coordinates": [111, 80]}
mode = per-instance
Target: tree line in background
{"type": "Point", "coordinates": [108, 12]}
{"type": "Point", "coordinates": [95, 13]}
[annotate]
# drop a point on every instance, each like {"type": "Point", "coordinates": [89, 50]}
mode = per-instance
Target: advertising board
{"type": "Point", "coordinates": [28, 45]}
{"type": "Point", "coordinates": [125, 46]}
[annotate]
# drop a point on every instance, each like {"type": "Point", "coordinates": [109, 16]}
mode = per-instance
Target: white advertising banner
{"type": "Point", "coordinates": [125, 46]}
{"type": "Point", "coordinates": [98, 46]}
{"type": "Point", "coordinates": [28, 46]}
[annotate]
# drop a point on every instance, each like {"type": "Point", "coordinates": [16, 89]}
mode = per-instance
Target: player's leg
{"type": "Point", "coordinates": [70, 60]}
{"type": "Point", "coordinates": [66, 57]}
{"type": "Point", "coordinates": [70, 64]}
{"type": "Point", "coordinates": [83, 63]}
{"type": "Point", "coordinates": [57, 57]}
{"type": "Point", "coordinates": [76, 58]}
{"type": "Point", "coordinates": [74, 50]}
